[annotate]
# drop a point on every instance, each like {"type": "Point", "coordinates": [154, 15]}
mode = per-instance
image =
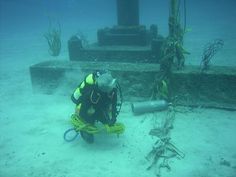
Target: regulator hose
{"type": "Point", "coordinates": [68, 131]}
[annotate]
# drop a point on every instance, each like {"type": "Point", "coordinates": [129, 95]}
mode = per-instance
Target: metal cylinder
{"type": "Point", "coordinates": [149, 106]}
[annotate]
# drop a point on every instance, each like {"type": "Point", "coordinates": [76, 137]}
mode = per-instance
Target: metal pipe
{"type": "Point", "coordinates": [149, 106]}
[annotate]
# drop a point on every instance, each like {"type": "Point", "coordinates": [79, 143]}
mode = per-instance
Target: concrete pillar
{"type": "Point", "coordinates": [128, 12]}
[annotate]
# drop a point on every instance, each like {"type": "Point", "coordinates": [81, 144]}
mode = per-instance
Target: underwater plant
{"type": "Point", "coordinates": [53, 37]}
{"type": "Point", "coordinates": [209, 51]}
{"type": "Point", "coordinates": [176, 34]}
{"type": "Point", "coordinates": [172, 51]}
{"type": "Point", "coordinates": [160, 89]}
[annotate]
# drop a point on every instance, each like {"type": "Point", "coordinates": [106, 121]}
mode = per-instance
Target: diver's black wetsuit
{"type": "Point", "coordinates": [100, 101]}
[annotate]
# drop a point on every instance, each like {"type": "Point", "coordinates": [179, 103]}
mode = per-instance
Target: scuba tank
{"type": "Point", "coordinates": [149, 106]}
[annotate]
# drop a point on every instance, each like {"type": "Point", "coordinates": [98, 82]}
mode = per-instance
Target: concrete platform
{"type": "Point", "coordinates": [49, 76]}
{"type": "Point", "coordinates": [215, 88]}
{"type": "Point", "coordinates": [113, 54]}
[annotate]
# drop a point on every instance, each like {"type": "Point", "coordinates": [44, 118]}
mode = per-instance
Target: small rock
{"type": "Point", "coordinates": [225, 162]}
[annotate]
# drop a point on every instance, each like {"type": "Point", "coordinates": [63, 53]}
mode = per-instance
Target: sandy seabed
{"type": "Point", "coordinates": [32, 144]}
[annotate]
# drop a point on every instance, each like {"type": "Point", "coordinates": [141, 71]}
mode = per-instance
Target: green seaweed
{"type": "Point", "coordinates": [176, 34]}
{"type": "Point", "coordinates": [53, 37]}
{"type": "Point", "coordinates": [209, 51]}
{"type": "Point", "coordinates": [172, 50]}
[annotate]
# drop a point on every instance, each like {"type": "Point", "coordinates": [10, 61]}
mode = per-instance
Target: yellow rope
{"type": "Point", "coordinates": [81, 125]}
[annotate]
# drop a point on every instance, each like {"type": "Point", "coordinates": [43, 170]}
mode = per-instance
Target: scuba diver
{"type": "Point", "coordinates": [97, 100]}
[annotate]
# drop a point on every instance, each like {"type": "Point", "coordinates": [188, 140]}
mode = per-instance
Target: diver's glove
{"type": "Point", "coordinates": [112, 121]}
{"type": "Point", "coordinates": [117, 128]}
{"type": "Point", "coordinates": [109, 118]}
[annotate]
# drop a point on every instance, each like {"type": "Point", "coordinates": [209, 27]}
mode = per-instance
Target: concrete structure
{"type": "Point", "coordinates": [127, 40]}
{"type": "Point", "coordinates": [132, 54]}
{"type": "Point", "coordinates": [215, 89]}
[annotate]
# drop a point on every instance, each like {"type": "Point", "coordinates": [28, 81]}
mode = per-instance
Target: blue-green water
{"type": "Point", "coordinates": [32, 125]}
